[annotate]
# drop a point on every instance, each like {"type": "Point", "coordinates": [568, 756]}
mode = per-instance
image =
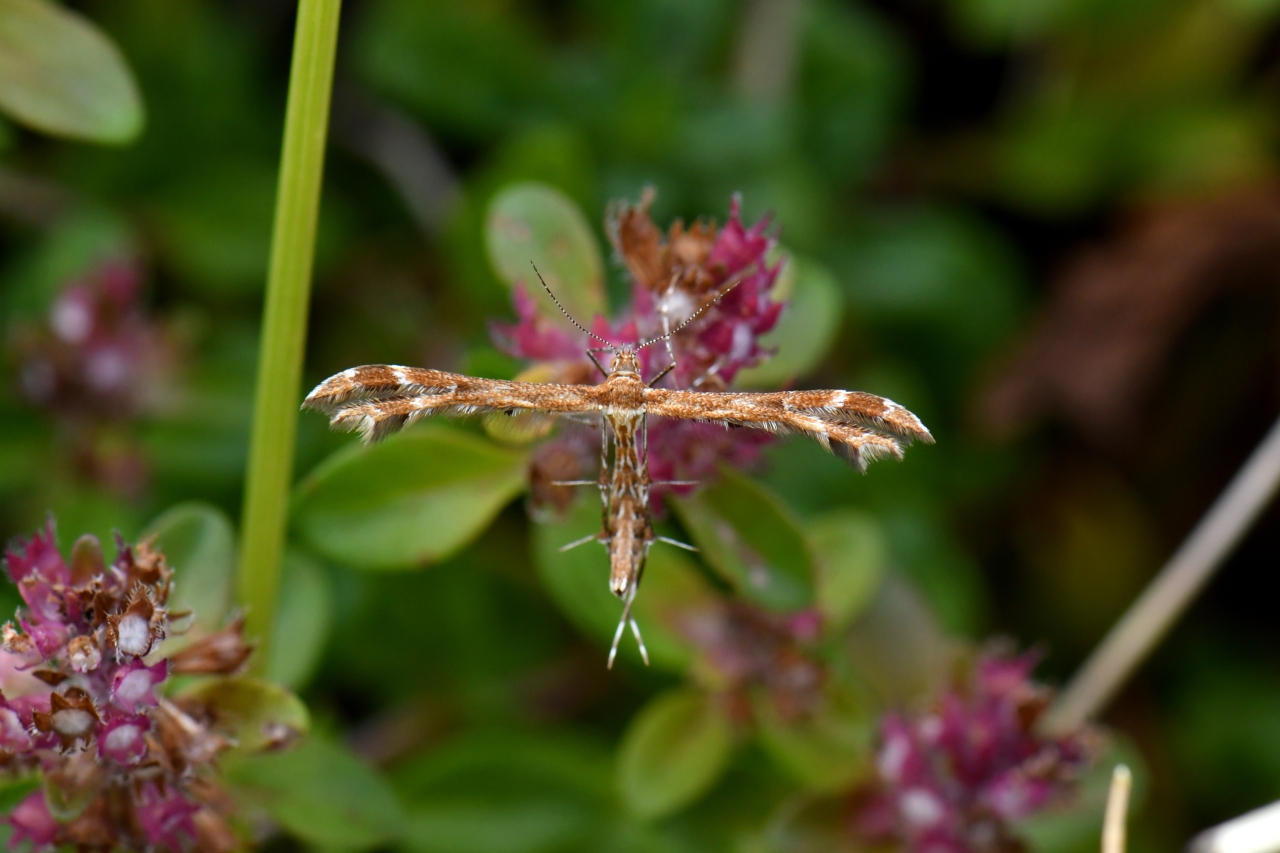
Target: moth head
{"type": "Point", "coordinates": [625, 362]}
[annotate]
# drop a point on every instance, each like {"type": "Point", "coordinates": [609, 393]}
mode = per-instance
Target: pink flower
{"type": "Point", "coordinates": [166, 818]}
{"type": "Point", "coordinates": [952, 779]}
{"type": "Point", "coordinates": [32, 822]}
{"type": "Point", "coordinates": [39, 559]}
{"type": "Point", "coordinates": [13, 730]}
{"type": "Point", "coordinates": [134, 684]}
{"type": "Point", "coordinates": [123, 739]}
{"type": "Point", "coordinates": [673, 276]}
{"type": "Point", "coordinates": [93, 721]}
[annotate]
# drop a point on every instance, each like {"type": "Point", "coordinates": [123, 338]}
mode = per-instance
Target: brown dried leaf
{"type": "Point", "coordinates": [1118, 309]}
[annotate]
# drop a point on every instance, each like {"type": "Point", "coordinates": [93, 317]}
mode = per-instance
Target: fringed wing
{"type": "Point", "coordinates": [380, 399]}
{"type": "Point", "coordinates": [858, 427]}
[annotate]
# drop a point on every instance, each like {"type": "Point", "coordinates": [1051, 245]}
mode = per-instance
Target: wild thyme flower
{"type": "Point", "coordinates": [673, 276]}
{"type": "Point", "coordinates": [95, 723]}
{"type": "Point", "coordinates": [952, 780]}
{"type": "Point", "coordinates": [743, 647]}
{"type": "Point", "coordinates": [99, 349]}
{"type": "Point", "coordinates": [98, 359]}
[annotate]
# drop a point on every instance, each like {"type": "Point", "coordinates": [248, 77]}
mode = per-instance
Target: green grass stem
{"type": "Point", "coordinates": [284, 325]}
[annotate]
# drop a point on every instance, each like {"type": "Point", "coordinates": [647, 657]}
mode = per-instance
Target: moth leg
{"type": "Point", "coordinates": [591, 354]}
{"type": "Point", "coordinates": [604, 472]}
{"type": "Point", "coordinates": [575, 482]}
{"type": "Point", "coordinates": [635, 629]}
{"type": "Point", "coordinates": [670, 483]}
{"type": "Point", "coordinates": [655, 380]}
{"type": "Point", "coordinates": [712, 371]}
{"type": "Point", "coordinates": [666, 328]}
{"type": "Point", "coordinates": [575, 543]}
{"type": "Point", "coordinates": [677, 543]}
{"type": "Point", "coordinates": [622, 626]}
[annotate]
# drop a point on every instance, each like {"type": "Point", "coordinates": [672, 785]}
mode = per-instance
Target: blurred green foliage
{"type": "Point", "coordinates": [453, 658]}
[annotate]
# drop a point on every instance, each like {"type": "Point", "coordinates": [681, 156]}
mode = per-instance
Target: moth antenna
{"type": "Point", "coordinates": [721, 295]}
{"type": "Point", "coordinates": [564, 310]}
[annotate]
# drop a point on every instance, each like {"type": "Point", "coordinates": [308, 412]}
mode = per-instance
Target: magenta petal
{"type": "Point", "coordinates": [166, 819]}
{"type": "Point", "coordinates": [134, 684]}
{"type": "Point", "coordinates": [32, 822]}
{"type": "Point", "coordinates": [1013, 794]}
{"type": "Point", "coordinates": [123, 739]}
{"type": "Point", "coordinates": [41, 599]}
{"type": "Point", "coordinates": [39, 558]}
{"type": "Point", "coordinates": [48, 637]}
{"type": "Point", "coordinates": [13, 731]}
{"type": "Point", "coordinates": [534, 337]}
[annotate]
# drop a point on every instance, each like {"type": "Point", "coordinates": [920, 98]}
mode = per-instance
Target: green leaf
{"type": "Point", "coordinates": [807, 328]}
{"type": "Point", "coordinates": [14, 790]}
{"type": "Point", "coordinates": [534, 826]}
{"type": "Point", "coordinates": [199, 542]}
{"type": "Point", "coordinates": [414, 499]}
{"type": "Point", "coordinates": [531, 223]}
{"type": "Point", "coordinates": [61, 75]}
{"type": "Point", "coordinates": [302, 620]}
{"type": "Point", "coordinates": [254, 713]}
{"type": "Point", "coordinates": [752, 540]}
{"type": "Point", "coordinates": [578, 582]}
{"type": "Point", "coordinates": [673, 752]}
{"type": "Point", "coordinates": [897, 646]}
{"type": "Point", "coordinates": [321, 793]}
{"type": "Point", "coordinates": [825, 752]}
{"type": "Point", "coordinates": [851, 555]}
{"type": "Point", "coordinates": [505, 791]}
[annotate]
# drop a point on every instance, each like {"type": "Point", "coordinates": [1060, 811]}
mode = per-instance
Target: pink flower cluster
{"type": "Point", "coordinates": [674, 274]}
{"type": "Point", "coordinates": [952, 780]}
{"type": "Point", "coordinates": [98, 359]}
{"type": "Point", "coordinates": [749, 649]}
{"type": "Point", "coordinates": [92, 718]}
{"type": "Point", "coordinates": [99, 352]}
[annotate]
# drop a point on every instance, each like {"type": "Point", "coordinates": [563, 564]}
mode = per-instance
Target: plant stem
{"type": "Point", "coordinates": [1113, 835]}
{"type": "Point", "coordinates": [284, 324]}
{"type": "Point", "coordinates": [1174, 588]}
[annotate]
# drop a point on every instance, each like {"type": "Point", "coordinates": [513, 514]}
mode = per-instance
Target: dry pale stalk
{"type": "Point", "coordinates": [1113, 835]}
{"type": "Point", "coordinates": [1141, 629]}
{"type": "Point", "coordinates": [1257, 831]}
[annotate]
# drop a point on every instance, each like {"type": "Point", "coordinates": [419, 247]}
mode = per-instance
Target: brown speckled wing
{"type": "Point", "coordinates": [858, 427]}
{"type": "Point", "coordinates": [381, 399]}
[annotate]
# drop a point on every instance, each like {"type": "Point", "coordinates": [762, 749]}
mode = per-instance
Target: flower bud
{"type": "Point", "coordinates": [134, 685]}
{"type": "Point", "coordinates": [32, 822]}
{"type": "Point", "coordinates": [83, 654]}
{"type": "Point", "coordinates": [124, 739]}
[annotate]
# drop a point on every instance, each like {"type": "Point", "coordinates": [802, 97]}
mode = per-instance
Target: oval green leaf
{"type": "Point", "coordinates": [414, 499]}
{"type": "Point", "coordinates": [827, 751]}
{"type": "Point", "coordinates": [752, 540]}
{"type": "Point", "coordinates": [578, 582]}
{"type": "Point", "coordinates": [532, 223]}
{"type": "Point", "coordinates": [253, 713]}
{"type": "Point", "coordinates": [851, 556]}
{"type": "Point", "coordinates": [806, 329]}
{"type": "Point", "coordinates": [61, 75]}
{"type": "Point", "coordinates": [673, 752]}
{"type": "Point", "coordinates": [321, 793]}
{"type": "Point", "coordinates": [198, 540]}
{"type": "Point", "coordinates": [897, 646]}
{"type": "Point", "coordinates": [302, 620]}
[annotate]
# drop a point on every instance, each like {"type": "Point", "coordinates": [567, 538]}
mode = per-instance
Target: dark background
{"type": "Point", "coordinates": [1055, 227]}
